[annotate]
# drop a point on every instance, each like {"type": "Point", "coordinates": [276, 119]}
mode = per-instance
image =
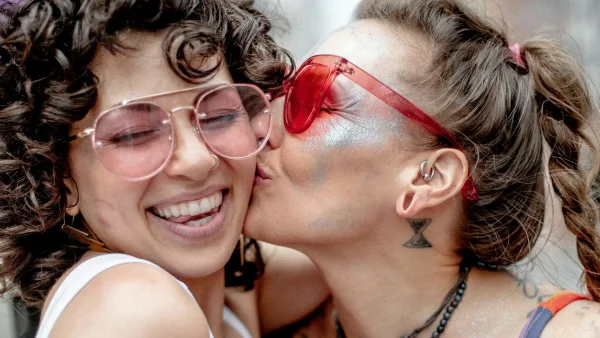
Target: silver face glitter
{"type": "Point", "coordinates": [351, 118]}
{"type": "Point", "coordinates": [356, 118]}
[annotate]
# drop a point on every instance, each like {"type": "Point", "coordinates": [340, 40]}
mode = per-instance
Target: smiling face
{"type": "Point", "coordinates": [338, 179]}
{"type": "Point", "coordinates": [188, 217]}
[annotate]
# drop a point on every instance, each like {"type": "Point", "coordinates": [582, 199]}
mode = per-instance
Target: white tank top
{"type": "Point", "coordinates": [86, 271]}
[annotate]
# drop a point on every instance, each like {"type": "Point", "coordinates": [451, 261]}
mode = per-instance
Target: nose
{"type": "Point", "coordinates": [277, 128]}
{"type": "Point", "coordinates": [191, 157]}
{"type": "Point", "coordinates": [260, 125]}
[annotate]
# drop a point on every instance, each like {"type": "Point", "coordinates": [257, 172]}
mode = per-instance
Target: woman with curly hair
{"type": "Point", "coordinates": [127, 146]}
{"type": "Point", "coordinates": [409, 164]}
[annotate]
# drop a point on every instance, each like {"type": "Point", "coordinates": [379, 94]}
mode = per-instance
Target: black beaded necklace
{"type": "Point", "coordinates": [450, 302]}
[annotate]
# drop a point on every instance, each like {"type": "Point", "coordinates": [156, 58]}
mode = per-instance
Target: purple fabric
{"type": "Point", "coordinates": [536, 324]}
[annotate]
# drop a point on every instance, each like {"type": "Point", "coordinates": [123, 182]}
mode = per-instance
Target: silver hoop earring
{"type": "Point", "coordinates": [426, 176]}
{"type": "Point", "coordinates": [216, 162]}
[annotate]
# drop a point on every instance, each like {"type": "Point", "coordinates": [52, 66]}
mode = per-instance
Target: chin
{"type": "Point", "coordinates": [270, 222]}
{"type": "Point", "coordinates": [196, 262]}
{"type": "Point", "coordinates": [197, 266]}
{"type": "Point", "coordinates": [254, 226]}
{"type": "Point", "coordinates": [266, 229]}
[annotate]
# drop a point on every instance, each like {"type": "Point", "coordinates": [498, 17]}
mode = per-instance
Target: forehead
{"type": "Point", "coordinates": [138, 72]}
{"type": "Point", "coordinates": [388, 53]}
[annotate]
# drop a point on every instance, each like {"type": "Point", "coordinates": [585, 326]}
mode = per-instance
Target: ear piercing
{"type": "Point", "coordinates": [427, 176]}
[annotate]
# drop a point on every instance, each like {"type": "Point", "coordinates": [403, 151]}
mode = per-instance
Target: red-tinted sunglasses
{"type": "Point", "coordinates": [306, 92]}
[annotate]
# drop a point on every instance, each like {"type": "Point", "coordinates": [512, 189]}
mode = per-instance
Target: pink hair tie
{"type": "Point", "coordinates": [516, 50]}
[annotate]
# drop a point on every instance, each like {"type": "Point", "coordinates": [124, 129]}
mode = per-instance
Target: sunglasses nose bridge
{"type": "Point", "coordinates": [176, 109]}
{"type": "Point", "coordinates": [192, 109]}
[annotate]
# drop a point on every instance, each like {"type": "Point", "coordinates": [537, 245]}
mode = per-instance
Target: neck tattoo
{"type": "Point", "coordinates": [450, 302]}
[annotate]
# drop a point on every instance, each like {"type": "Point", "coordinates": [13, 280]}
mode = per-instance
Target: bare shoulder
{"type": "Point", "coordinates": [288, 269]}
{"type": "Point", "coordinates": [578, 319]}
{"type": "Point", "coordinates": [132, 300]}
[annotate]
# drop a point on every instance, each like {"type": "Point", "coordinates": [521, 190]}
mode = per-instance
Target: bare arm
{"type": "Point", "coordinates": [132, 300]}
{"type": "Point", "coordinates": [579, 319]}
{"type": "Point", "coordinates": [291, 288]}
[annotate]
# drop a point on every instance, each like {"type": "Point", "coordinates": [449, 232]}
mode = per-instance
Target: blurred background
{"type": "Point", "coordinates": [575, 23]}
{"type": "Point", "coordinates": [300, 24]}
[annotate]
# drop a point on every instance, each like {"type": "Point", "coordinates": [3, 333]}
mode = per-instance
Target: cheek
{"type": "Point", "coordinates": [105, 201]}
{"type": "Point", "coordinates": [243, 173]}
{"type": "Point", "coordinates": [300, 163]}
{"type": "Point", "coordinates": [336, 144]}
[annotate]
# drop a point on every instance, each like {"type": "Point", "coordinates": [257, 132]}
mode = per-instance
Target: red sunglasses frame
{"type": "Point", "coordinates": [338, 65]}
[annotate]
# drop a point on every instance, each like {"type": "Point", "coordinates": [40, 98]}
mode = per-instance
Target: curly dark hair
{"type": "Point", "coordinates": [46, 84]}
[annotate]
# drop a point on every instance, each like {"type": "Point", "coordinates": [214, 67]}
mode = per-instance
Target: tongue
{"type": "Point", "coordinates": [185, 219]}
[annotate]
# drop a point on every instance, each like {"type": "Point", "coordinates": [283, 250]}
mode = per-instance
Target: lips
{"type": "Point", "coordinates": [260, 172]}
{"type": "Point", "coordinates": [261, 176]}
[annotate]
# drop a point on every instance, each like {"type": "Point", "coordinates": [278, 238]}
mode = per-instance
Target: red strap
{"type": "Point", "coordinates": [561, 300]}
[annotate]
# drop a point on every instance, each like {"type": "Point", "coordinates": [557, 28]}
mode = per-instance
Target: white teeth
{"type": "Point", "coordinates": [205, 205]}
{"type": "Point", "coordinates": [184, 209]}
{"type": "Point", "coordinates": [175, 211]}
{"type": "Point", "coordinates": [193, 208]}
{"type": "Point", "coordinates": [216, 200]}
{"type": "Point", "coordinates": [200, 222]}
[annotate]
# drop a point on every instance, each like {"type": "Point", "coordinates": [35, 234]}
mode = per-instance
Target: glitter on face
{"type": "Point", "coordinates": [332, 180]}
{"type": "Point", "coordinates": [351, 119]}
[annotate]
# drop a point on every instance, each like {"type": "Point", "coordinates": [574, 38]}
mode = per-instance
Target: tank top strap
{"type": "Point", "coordinates": [548, 309]}
{"type": "Point", "coordinates": [236, 323]}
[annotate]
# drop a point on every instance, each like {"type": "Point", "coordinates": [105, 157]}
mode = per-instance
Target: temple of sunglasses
{"type": "Point", "coordinates": [135, 139]}
{"type": "Point", "coordinates": [305, 94]}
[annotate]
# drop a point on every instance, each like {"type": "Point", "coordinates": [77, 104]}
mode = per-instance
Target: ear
{"type": "Point", "coordinates": [72, 196]}
{"type": "Point", "coordinates": [447, 169]}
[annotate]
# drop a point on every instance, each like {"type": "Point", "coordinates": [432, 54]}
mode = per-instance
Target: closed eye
{"type": "Point", "coordinates": [134, 137]}
{"type": "Point", "coordinates": [220, 119]}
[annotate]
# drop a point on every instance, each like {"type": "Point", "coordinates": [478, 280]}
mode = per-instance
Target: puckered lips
{"type": "Point", "coordinates": [261, 176]}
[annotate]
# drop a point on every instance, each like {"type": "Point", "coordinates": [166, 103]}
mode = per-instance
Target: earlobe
{"type": "Point", "coordinates": [404, 205]}
{"type": "Point", "coordinates": [72, 211]}
{"type": "Point", "coordinates": [411, 201]}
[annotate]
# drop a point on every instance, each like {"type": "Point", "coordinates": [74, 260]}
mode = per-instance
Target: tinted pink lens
{"type": "Point", "coordinates": [303, 96]}
{"type": "Point", "coordinates": [135, 140]}
{"type": "Point", "coordinates": [234, 120]}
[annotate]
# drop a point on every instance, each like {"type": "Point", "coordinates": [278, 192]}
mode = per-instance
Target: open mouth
{"type": "Point", "coordinates": [192, 213]}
